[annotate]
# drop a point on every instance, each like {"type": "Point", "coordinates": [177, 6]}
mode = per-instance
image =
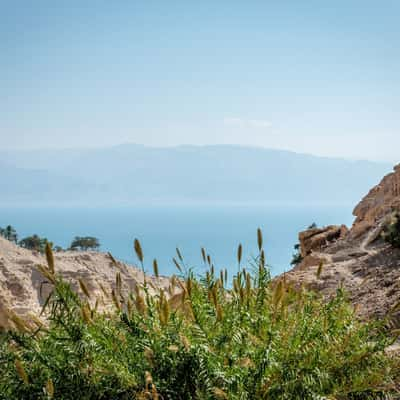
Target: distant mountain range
{"type": "Point", "coordinates": [135, 174]}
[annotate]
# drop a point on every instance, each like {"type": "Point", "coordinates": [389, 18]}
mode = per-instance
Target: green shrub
{"type": "Point", "coordinates": [9, 233]}
{"type": "Point", "coordinates": [34, 242]}
{"type": "Point", "coordinates": [391, 232]}
{"type": "Point", "coordinates": [251, 339]}
{"type": "Point", "coordinates": [297, 258]}
{"type": "Point", "coordinates": [85, 243]}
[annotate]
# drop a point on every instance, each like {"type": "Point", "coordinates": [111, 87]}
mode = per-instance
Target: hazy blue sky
{"type": "Point", "coordinates": [312, 76]}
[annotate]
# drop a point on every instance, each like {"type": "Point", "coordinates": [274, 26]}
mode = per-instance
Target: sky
{"type": "Point", "coordinates": [310, 76]}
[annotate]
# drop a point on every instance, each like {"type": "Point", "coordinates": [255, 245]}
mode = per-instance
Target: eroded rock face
{"type": "Point", "coordinates": [315, 239]}
{"type": "Point", "coordinates": [359, 261]}
{"type": "Point", "coordinates": [23, 289]}
{"type": "Point", "coordinates": [378, 203]}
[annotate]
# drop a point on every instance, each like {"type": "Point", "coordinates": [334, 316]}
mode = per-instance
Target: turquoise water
{"type": "Point", "coordinates": [161, 229]}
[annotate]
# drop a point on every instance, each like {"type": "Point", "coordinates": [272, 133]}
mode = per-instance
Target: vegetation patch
{"type": "Point", "coordinates": [202, 338]}
{"type": "Point", "coordinates": [37, 243]}
{"type": "Point", "coordinates": [391, 232]}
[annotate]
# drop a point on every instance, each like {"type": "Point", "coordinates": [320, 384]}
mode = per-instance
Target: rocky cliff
{"type": "Point", "coordinates": [357, 259]}
{"type": "Point", "coordinates": [23, 289]}
{"type": "Point", "coordinates": [377, 204]}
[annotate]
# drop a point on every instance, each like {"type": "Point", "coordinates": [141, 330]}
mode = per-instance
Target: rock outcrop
{"type": "Point", "coordinates": [23, 289]}
{"type": "Point", "coordinates": [315, 239]}
{"type": "Point", "coordinates": [377, 204]}
{"type": "Point", "coordinates": [358, 260]}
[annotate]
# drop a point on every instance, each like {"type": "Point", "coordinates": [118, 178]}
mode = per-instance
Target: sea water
{"type": "Point", "coordinates": [160, 230]}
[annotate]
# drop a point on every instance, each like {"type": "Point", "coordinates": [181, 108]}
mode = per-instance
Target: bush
{"type": "Point", "coordinates": [9, 233]}
{"type": "Point", "coordinates": [85, 243]}
{"type": "Point", "coordinates": [391, 232]}
{"type": "Point", "coordinates": [34, 242]}
{"type": "Point", "coordinates": [297, 258]}
{"type": "Point", "coordinates": [253, 339]}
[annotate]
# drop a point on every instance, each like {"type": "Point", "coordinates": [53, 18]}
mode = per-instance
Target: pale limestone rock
{"type": "Point", "coordinates": [23, 289]}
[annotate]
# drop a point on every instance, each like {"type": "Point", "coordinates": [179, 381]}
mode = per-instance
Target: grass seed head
{"type": "Point", "coordinates": [219, 394]}
{"type": "Point", "coordinates": [140, 304]}
{"type": "Point", "coordinates": [50, 388]}
{"type": "Point", "coordinates": [203, 255]}
{"type": "Point", "coordinates": [179, 254]}
{"type": "Point", "coordinates": [84, 288]}
{"type": "Point", "coordinates": [115, 300]}
{"type": "Point", "coordinates": [21, 371]}
{"type": "Point", "coordinates": [259, 239]}
{"type": "Point", "coordinates": [50, 258]}
{"type": "Point", "coordinates": [155, 268]}
{"type": "Point", "coordinates": [47, 273]}
{"type": "Point", "coordinates": [239, 253]}
{"type": "Point", "coordinates": [177, 265]}
{"type": "Point", "coordinates": [138, 250]}
{"type": "Point", "coordinates": [86, 314]}
{"type": "Point", "coordinates": [113, 260]}
{"type": "Point", "coordinates": [185, 341]}
{"type": "Point", "coordinates": [248, 285]}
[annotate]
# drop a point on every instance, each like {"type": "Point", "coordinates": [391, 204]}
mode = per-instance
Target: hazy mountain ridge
{"type": "Point", "coordinates": [129, 174]}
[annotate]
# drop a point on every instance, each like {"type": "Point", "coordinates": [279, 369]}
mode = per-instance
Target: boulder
{"type": "Point", "coordinates": [316, 238]}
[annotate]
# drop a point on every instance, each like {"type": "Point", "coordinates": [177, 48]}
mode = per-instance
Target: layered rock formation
{"type": "Point", "coordinates": [23, 289]}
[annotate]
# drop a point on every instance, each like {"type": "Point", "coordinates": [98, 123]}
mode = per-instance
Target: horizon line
{"type": "Point", "coordinates": [189, 145]}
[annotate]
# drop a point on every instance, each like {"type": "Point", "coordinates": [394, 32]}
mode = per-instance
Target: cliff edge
{"type": "Point", "coordinates": [358, 259]}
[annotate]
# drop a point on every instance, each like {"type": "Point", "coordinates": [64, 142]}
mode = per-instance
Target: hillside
{"type": "Point", "coordinates": [23, 289]}
{"type": "Point", "coordinates": [22, 186]}
{"type": "Point", "coordinates": [359, 259]}
{"type": "Point", "coordinates": [135, 174]}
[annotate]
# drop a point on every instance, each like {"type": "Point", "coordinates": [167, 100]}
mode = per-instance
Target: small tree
{"type": "Point", "coordinates": [297, 257]}
{"type": "Point", "coordinates": [34, 242]}
{"type": "Point", "coordinates": [9, 233]}
{"type": "Point", "coordinates": [85, 243]}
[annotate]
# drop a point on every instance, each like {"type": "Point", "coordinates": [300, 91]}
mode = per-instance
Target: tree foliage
{"type": "Point", "coordinates": [202, 338]}
{"type": "Point", "coordinates": [85, 243]}
{"type": "Point", "coordinates": [34, 242]}
{"type": "Point", "coordinates": [391, 232]}
{"type": "Point", "coordinates": [297, 258]}
{"type": "Point", "coordinates": [9, 233]}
